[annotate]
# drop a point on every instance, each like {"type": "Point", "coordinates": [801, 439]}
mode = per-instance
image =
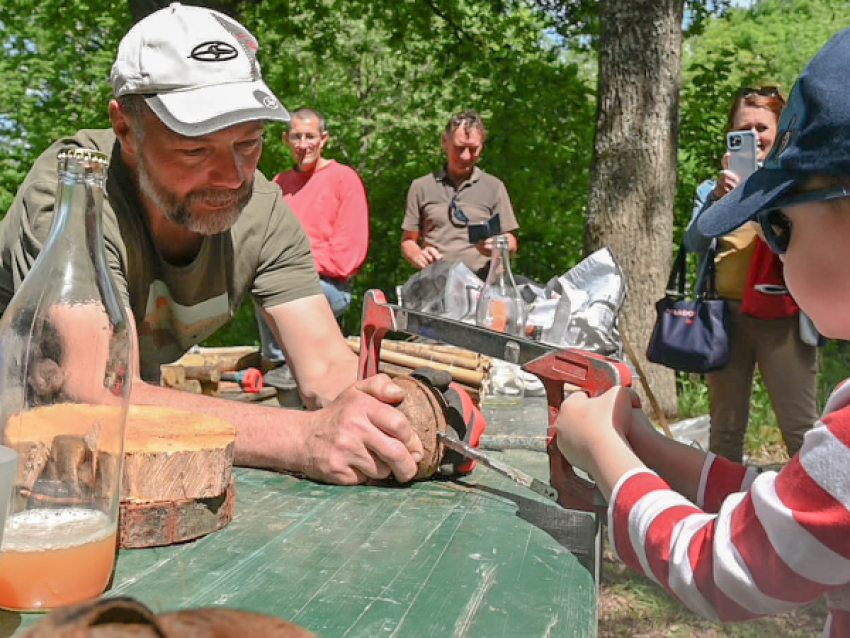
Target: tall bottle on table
{"type": "Point", "coordinates": [501, 308]}
{"type": "Point", "coordinates": [65, 353]}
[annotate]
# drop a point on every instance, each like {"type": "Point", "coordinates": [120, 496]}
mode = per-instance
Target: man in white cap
{"type": "Point", "coordinates": [191, 227]}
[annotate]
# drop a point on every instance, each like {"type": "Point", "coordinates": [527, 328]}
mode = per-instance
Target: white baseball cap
{"type": "Point", "coordinates": [197, 69]}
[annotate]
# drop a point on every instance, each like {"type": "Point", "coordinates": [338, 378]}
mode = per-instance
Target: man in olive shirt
{"type": "Point", "coordinates": [442, 205]}
{"type": "Point", "coordinates": [191, 227]}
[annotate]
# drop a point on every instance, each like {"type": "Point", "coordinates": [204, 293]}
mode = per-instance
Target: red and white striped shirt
{"type": "Point", "coordinates": [755, 544]}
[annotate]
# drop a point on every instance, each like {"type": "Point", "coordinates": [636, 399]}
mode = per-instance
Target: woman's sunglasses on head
{"type": "Point", "coordinates": [776, 226]}
{"type": "Point", "coordinates": [764, 91]}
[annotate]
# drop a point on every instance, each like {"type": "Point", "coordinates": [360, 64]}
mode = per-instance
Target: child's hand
{"type": "Point", "coordinates": [586, 427]}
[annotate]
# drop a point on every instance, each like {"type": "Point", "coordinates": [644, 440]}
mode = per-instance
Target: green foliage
{"type": "Point", "coordinates": [768, 44]}
{"type": "Point", "coordinates": [55, 59]}
{"type": "Point", "coordinates": [388, 77]}
{"type": "Point", "coordinates": [388, 74]}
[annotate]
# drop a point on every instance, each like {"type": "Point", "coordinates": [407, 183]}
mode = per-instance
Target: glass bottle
{"type": "Point", "coordinates": [64, 395]}
{"type": "Point", "coordinates": [501, 308]}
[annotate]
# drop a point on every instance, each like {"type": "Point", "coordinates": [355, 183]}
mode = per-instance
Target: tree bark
{"type": "Point", "coordinates": [633, 176]}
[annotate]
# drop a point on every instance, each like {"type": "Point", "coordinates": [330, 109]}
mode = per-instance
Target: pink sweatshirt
{"type": "Point", "coordinates": [331, 204]}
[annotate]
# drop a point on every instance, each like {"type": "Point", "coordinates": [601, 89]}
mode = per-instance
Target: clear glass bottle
{"type": "Point", "coordinates": [501, 308]}
{"type": "Point", "coordinates": [65, 354]}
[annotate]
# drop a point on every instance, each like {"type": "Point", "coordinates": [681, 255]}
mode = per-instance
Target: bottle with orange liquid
{"type": "Point", "coordinates": [64, 340]}
{"type": "Point", "coordinates": [501, 308]}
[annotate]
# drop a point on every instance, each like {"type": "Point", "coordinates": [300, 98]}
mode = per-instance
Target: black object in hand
{"type": "Point", "coordinates": [484, 230]}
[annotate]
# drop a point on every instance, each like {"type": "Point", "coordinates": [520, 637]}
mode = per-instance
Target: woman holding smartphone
{"type": "Point", "coordinates": [765, 321]}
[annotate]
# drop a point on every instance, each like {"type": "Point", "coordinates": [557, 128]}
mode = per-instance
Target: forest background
{"type": "Point", "coordinates": [389, 73]}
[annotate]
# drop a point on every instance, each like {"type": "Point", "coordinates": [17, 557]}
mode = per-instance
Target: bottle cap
{"type": "Point", "coordinates": [82, 154]}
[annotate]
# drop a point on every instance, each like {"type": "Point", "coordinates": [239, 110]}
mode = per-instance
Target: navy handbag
{"type": "Point", "coordinates": [691, 335]}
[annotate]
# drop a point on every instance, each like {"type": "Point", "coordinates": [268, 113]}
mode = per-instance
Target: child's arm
{"type": "Point", "coordinates": [779, 544]}
{"type": "Point", "coordinates": [591, 435]}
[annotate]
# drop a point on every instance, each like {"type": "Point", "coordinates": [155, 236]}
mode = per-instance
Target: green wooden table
{"type": "Point", "coordinates": [477, 557]}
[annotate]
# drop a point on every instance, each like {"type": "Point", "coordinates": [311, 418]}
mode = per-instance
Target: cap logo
{"type": "Point", "coordinates": [269, 101]}
{"type": "Point", "coordinates": [213, 52]}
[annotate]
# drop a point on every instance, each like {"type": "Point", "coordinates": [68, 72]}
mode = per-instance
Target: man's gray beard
{"type": "Point", "coordinates": [180, 211]}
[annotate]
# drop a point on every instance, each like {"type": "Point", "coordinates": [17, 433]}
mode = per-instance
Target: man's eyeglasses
{"type": "Point", "coordinates": [764, 91]}
{"type": "Point", "coordinates": [308, 137]}
{"type": "Point", "coordinates": [776, 225]}
{"type": "Point", "coordinates": [456, 215]}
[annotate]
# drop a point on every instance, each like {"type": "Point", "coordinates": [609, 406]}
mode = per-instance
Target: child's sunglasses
{"type": "Point", "coordinates": [776, 226]}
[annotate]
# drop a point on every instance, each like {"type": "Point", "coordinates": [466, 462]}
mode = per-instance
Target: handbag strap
{"type": "Point", "coordinates": [676, 282]}
{"type": "Point", "coordinates": [706, 283]}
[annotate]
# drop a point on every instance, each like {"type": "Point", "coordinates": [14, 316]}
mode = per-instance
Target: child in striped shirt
{"type": "Point", "coordinates": [729, 543]}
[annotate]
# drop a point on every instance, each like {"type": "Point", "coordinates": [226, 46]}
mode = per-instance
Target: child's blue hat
{"type": "Point", "coordinates": [813, 138]}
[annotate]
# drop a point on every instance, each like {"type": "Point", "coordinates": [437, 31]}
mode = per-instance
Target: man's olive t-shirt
{"type": "Point", "coordinates": [266, 254]}
{"type": "Point", "coordinates": [480, 197]}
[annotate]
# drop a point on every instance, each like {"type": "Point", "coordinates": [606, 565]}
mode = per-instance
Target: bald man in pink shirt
{"type": "Point", "coordinates": [330, 200]}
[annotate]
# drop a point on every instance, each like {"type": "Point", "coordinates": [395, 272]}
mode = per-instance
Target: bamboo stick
{"type": "Point", "coordinates": [457, 357]}
{"type": "Point", "coordinates": [469, 377]}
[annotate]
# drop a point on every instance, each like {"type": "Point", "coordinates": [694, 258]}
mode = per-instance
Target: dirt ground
{"type": "Point", "coordinates": [633, 606]}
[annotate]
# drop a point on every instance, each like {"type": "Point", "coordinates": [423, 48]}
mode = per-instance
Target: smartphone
{"type": "Point", "coordinates": [484, 230]}
{"type": "Point", "coordinates": [743, 152]}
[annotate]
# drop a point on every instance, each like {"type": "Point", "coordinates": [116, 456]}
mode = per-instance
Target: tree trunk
{"type": "Point", "coordinates": [633, 176]}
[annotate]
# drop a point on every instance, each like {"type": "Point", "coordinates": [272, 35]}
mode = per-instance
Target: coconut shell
{"type": "Point", "coordinates": [425, 413]}
{"type": "Point", "coordinates": [128, 618]}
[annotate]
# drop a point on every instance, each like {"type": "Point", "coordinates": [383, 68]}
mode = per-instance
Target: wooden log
{"type": "Point", "coordinates": [153, 524]}
{"type": "Point", "coordinates": [189, 385]}
{"type": "Point", "coordinates": [464, 375]}
{"type": "Point", "coordinates": [173, 454]}
{"type": "Point", "coordinates": [208, 373]}
{"type": "Point", "coordinates": [224, 359]}
{"type": "Point", "coordinates": [172, 375]}
{"type": "Point", "coordinates": [169, 454]}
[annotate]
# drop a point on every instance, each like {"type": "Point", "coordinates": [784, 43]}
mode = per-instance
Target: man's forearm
{"type": "Point", "coordinates": [324, 384]}
{"type": "Point", "coordinates": [410, 249]}
{"type": "Point", "coordinates": [266, 437]}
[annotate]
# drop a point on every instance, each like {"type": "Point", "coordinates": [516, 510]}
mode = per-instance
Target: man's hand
{"type": "Point", "coordinates": [426, 257]}
{"type": "Point", "coordinates": [486, 247]}
{"type": "Point", "coordinates": [360, 436]}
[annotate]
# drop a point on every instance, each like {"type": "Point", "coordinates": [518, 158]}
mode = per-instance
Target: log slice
{"type": "Point", "coordinates": [165, 523]}
{"type": "Point", "coordinates": [169, 454]}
